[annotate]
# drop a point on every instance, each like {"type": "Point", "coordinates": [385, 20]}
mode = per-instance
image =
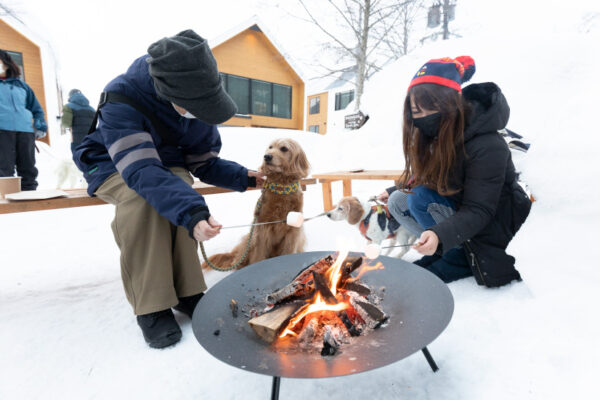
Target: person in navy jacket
{"type": "Point", "coordinates": [128, 162]}
{"type": "Point", "coordinates": [21, 122]}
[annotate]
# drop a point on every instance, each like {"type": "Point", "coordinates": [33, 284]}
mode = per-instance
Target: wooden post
{"type": "Point", "coordinates": [327, 202]}
{"type": "Point", "coordinates": [347, 187]}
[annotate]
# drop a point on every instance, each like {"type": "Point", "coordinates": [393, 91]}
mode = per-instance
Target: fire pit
{"type": "Point", "coordinates": [418, 304]}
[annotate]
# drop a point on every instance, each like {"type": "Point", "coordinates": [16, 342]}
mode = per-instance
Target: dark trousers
{"type": "Point", "coordinates": [17, 149]}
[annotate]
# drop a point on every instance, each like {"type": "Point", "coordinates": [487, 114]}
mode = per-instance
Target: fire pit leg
{"type": "Point", "coordinates": [429, 359]}
{"type": "Point", "coordinates": [275, 388]}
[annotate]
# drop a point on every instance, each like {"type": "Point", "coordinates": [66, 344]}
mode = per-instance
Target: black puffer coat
{"type": "Point", "coordinates": [491, 205]}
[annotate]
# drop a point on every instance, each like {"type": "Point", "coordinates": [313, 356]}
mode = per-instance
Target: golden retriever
{"type": "Point", "coordinates": [284, 164]}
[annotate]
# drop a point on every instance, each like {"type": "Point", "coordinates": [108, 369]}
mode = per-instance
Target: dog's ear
{"type": "Point", "coordinates": [355, 212]}
{"type": "Point", "coordinates": [299, 164]}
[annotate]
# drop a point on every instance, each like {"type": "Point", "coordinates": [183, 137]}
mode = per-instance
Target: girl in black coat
{"type": "Point", "coordinates": [459, 191]}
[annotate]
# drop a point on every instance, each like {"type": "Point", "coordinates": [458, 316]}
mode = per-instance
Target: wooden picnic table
{"type": "Point", "coordinates": [347, 177]}
{"type": "Point", "coordinates": [80, 198]}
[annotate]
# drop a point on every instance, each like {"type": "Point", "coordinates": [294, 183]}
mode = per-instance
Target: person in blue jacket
{"type": "Point", "coordinates": [21, 122]}
{"type": "Point", "coordinates": [77, 116]}
{"type": "Point", "coordinates": [129, 163]}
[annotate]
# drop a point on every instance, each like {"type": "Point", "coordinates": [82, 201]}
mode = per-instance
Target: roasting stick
{"type": "Point", "coordinates": [293, 219]}
{"type": "Point", "coordinates": [373, 250]}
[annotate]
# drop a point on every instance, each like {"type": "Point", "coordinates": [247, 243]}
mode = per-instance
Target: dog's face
{"type": "Point", "coordinates": [285, 157]}
{"type": "Point", "coordinates": [349, 208]}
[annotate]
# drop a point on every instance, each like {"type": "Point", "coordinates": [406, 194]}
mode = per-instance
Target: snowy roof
{"type": "Point", "coordinates": [256, 23]}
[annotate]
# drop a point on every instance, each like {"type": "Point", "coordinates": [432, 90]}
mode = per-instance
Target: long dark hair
{"type": "Point", "coordinates": [12, 69]}
{"type": "Point", "coordinates": [429, 161]}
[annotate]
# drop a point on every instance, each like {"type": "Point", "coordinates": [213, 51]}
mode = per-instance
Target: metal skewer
{"type": "Point", "coordinates": [272, 222]}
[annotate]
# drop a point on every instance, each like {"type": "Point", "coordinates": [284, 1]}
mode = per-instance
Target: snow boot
{"type": "Point", "coordinates": [187, 305]}
{"type": "Point", "coordinates": [159, 328]}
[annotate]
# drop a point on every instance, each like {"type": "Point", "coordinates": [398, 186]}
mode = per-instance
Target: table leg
{"type": "Point", "coordinates": [429, 359]}
{"type": "Point", "coordinates": [347, 187]}
{"type": "Point", "coordinates": [327, 202]}
{"type": "Point", "coordinates": [275, 388]}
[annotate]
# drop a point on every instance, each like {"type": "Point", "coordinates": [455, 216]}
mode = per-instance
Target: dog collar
{"type": "Point", "coordinates": [282, 189]}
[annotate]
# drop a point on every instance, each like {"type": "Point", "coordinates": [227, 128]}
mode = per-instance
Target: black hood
{"type": "Point", "coordinates": [489, 109]}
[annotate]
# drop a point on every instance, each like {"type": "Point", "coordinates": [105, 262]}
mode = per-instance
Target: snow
{"type": "Point", "coordinates": [67, 331]}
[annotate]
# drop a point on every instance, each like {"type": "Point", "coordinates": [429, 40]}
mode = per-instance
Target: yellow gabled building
{"type": "Point", "coordinates": [265, 84]}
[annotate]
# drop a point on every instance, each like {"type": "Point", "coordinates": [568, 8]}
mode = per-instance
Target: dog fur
{"type": "Point", "coordinates": [284, 163]}
{"type": "Point", "coordinates": [352, 210]}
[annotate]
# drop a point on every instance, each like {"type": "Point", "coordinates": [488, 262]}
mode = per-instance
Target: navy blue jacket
{"type": "Point", "coordinates": [19, 109]}
{"type": "Point", "coordinates": [126, 142]}
{"type": "Point", "coordinates": [83, 115]}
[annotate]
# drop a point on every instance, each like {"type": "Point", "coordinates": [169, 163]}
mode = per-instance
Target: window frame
{"type": "Point", "coordinates": [270, 105]}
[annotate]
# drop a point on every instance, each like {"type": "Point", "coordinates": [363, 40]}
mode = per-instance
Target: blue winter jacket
{"type": "Point", "coordinates": [19, 109]}
{"type": "Point", "coordinates": [126, 142]}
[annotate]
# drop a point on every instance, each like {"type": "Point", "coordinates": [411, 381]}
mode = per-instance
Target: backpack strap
{"type": "Point", "coordinates": [114, 97]}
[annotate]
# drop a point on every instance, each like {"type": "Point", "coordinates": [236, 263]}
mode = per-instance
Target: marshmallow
{"type": "Point", "coordinates": [295, 219]}
{"type": "Point", "coordinates": [372, 251]}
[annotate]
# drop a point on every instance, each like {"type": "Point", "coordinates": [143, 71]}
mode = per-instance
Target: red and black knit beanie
{"type": "Point", "coordinates": [450, 72]}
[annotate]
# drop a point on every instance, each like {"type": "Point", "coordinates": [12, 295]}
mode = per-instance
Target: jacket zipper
{"type": "Point", "coordinates": [474, 262]}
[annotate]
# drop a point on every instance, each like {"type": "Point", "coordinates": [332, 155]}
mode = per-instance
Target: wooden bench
{"type": "Point", "coordinates": [80, 198]}
{"type": "Point", "coordinates": [347, 177]}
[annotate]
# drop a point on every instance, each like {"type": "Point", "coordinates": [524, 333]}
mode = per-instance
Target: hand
{"type": "Point", "coordinates": [383, 197]}
{"type": "Point", "coordinates": [205, 230]}
{"type": "Point", "coordinates": [427, 243]}
{"type": "Point", "coordinates": [260, 177]}
{"type": "Point", "coordinates": [39, 134]}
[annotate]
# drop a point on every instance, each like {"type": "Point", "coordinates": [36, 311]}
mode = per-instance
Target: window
{"type": "Point", "coordinates": [18, 59]}
{"type": "Point", "coordinates": [259, 97]}
{"type": "Point", "coordinates": [282, 101]}
{"type": "Point", "coordinates": [313, 128]}
{"type": "Point", "coordinates": [342, 99]}
{"type": "Point", "coordinates": [239, 90]}
{"type": "Point", "coordinates": [315, 105]}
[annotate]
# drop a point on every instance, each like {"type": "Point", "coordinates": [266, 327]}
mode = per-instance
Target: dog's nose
{"type": "Point", "coordinates": [268, 157]}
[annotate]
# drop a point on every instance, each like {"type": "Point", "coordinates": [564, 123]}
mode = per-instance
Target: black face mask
{"type": "Point", "coordinates": [429, 125]}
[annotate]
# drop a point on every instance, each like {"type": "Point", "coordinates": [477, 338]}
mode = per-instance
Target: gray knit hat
{"type": "Point", "coordinates": [184, 72]}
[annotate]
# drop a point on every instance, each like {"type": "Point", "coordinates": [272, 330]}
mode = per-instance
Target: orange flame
{"type": "Point", "coordinates": [366, 268]}
{"type": "Point", "coordinates": [318, 305]}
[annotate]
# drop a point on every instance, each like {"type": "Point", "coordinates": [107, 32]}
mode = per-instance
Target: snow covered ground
{"type": "Point", "coordinates": [67, 331]}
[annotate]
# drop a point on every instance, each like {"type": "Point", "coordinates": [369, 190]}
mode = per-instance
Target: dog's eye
{"type": "Point", "coordinates": [284, 149]}
{"type": "Point", "coordinates": [270, 147]}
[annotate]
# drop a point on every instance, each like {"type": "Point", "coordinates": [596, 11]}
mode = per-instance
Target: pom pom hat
{"type": "Point", "coordinates": [450, 72]}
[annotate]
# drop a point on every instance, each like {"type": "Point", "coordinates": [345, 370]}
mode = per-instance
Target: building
{"type": "Point", "coordinates": [260, 77]}
{"type": "Point", "coordinates": [34, 58]}
{"type": "Point", "coordinates": [326, 106]}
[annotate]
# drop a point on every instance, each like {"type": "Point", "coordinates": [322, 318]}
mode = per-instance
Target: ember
{"type": "Point", "coordinates": [322, 307]}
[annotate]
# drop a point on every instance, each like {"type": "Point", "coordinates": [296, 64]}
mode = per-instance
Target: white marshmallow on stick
{"type": "Point", "coordinates": [372, 251]}
{"type": "Point", "coordinates": [295, 219]}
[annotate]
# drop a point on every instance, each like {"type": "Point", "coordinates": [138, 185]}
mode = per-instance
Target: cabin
{"type": "Point", "coordinates": [261, 77]}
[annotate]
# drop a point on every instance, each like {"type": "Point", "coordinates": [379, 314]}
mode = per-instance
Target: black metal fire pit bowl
{"type": "Point", "coordinates": [418, 303]}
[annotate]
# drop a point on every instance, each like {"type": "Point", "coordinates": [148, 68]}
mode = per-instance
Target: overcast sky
{"type": "Point", "coordinates": [94, 41]}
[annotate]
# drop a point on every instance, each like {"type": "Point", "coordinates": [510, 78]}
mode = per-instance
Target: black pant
{"type": "Point", "coordinates": [18, 149]}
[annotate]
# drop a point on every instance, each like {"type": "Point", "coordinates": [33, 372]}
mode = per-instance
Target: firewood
{"type": "Point", "coordinates": [370, 313]}
{"type": "Point", "coordinates": [308, 332]}
{"type": "Point", "coordinates": [350, 265]}
{"type": "Point", "coordinates": [353, 330]}
{"type": "Point", "coordinates": [358, 287]}
{"type": "Point", "coordinates": [331, 341]}
{"type": "Point", "coordinates": [269, 325]}
{"type": "Point", "coordinates": [302, 286]}
{"type": "Point", "coordinates": [321, 287]}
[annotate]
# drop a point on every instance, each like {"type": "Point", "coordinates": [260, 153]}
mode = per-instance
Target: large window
{"type": "Point", "coordinates": [18, 59]}
{"type": "Point", "coordinates": [259, 97]}
{"type": "Point", "coordinates": [342, 99]}
{"type": "Point", "coordinates": [315, 105]}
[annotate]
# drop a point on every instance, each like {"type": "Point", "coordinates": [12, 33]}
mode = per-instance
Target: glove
{"type": "Point", "coordinates": [39, 134]}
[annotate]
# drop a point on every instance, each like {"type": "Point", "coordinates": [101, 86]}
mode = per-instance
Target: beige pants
{"type": "Point", "coordinates": [159, 261]}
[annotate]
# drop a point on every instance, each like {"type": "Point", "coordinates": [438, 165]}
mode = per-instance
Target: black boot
{"type": "Point", "coordinates": [160, 328]}
{"type": "Point", "coordinates": [187, 305]}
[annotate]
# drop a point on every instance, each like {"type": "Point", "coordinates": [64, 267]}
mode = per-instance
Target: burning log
{"type": "Point", "coordinates": [321, 287]}
{"type": "Point", "coordinates": [353, 330]}
{"type": "Point", "coordinates": [370, 313]}
{"type": "Point", "coordinates": [308, 332]}
{"type": "Point", "coordinates": [269, 325]}
{"type": "Point", "coordinates": [350, 265]}
{"type": "Point", "coordinates": [358, 287]}
{"type": "Point", "coordinates": [302, 285]}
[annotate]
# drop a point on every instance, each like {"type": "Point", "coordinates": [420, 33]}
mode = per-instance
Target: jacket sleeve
{"type": "Point", "coordinates": [203, 160]}
{"type": "Point", "coordinates": [32, 104]}
{"type": "Point", "coordinates": [484, 178]}
{"type": "Point", "coordinates": [133, 151]}
{"type": "Point", "coordinates": [67, 117]}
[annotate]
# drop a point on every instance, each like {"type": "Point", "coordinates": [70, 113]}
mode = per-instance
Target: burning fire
{"type": "Point", "coordinates": [317, 304]}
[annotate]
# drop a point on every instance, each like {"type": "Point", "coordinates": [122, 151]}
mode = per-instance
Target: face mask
{"type": "Point", "coordinates": [429, 125]}
{"type": "Point", "coordinates": [2, 68]}
{"type": "Point", "coordinates": [187, 114]}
